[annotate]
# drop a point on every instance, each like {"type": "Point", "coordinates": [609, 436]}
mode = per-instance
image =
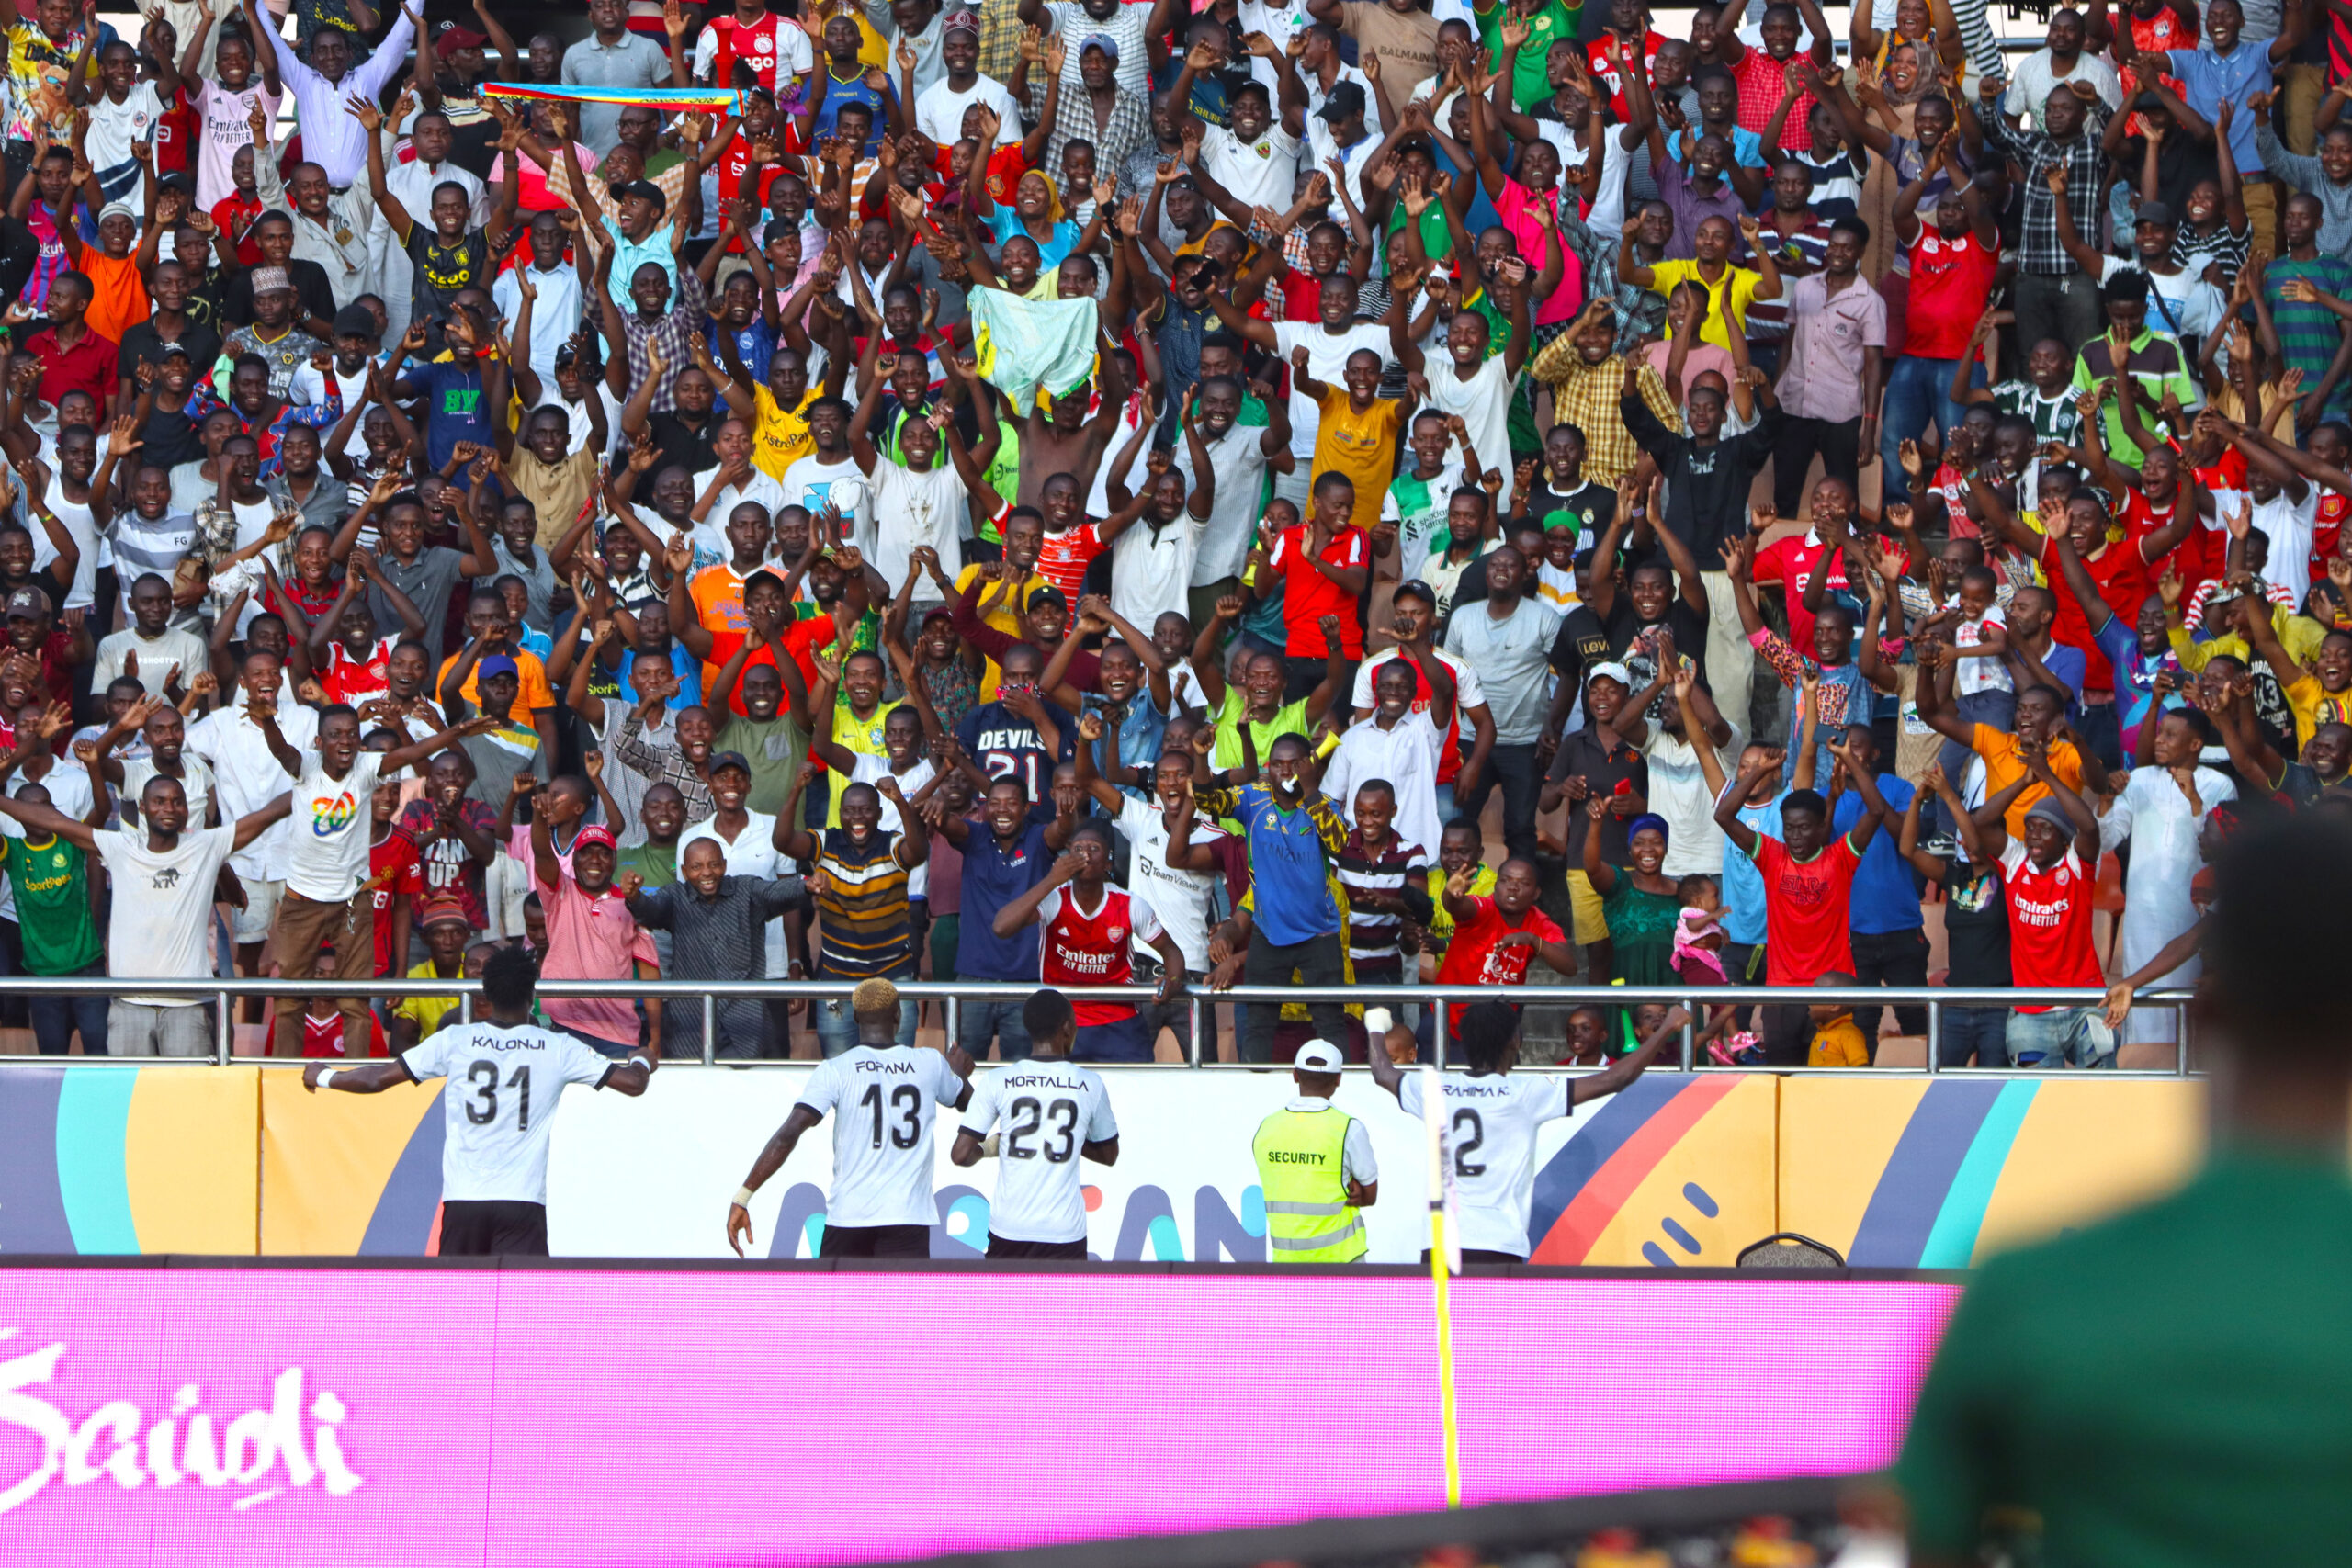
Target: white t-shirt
{"type": "Point", "coordinates": [2182, 306]}
{"type": "Point", "coordinates": [1152, 567]}
{"type": "Point", "coordinates": [1050, 1109]}
{"type": "Point", "coordinates": [1180, 899]}
{"type": "Point", "coordinates": [221, 128]}
{"type": "Point", "coordinates": [246, 776]}
{"type": "Point", "coordinates": [1407, 758]}
{"type": "Point", "coordinates": [114, 126]}
{"type": "Point", "coordinates": [1258, 173]}
{"type": "Point", "coordinates": [939, 110]}
{"type": "Point", "coordinates": [1491, 1120]}
{"type": "Point", "coordinates": [910, 509]}
{"type": "Point", "coordinates": [1969, 676]}
{"type": "Point", "coordinates": [882, 1103]}
{"type": "Point", "coordinates": [329, 858]}
{"type": "Point", "coordinates": [2288, 524]}
{"type": "Point", "coordinates": [812, 482]}
{"type": "Point", "coordinates": [1238, 459]}
{"type": "Point", "coordinates": [1483, 403]}
{"type": "Point", "coordinates": [496, 1112]}
{"type": "Point", "coordinates": [184, 649]}
{"type": "Point", "coordinates": [160, 925]}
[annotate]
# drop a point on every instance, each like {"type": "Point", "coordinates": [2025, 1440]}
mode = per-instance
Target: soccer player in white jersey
{"type": "Point", "coordinates": [1495, 1115]}
{"type": "Point", "coordinates": [505, 1078]}
{"type": "Point", "coordinates": [883, 1097]}
{"type": "Point", "coordinates": [1053, 1112]}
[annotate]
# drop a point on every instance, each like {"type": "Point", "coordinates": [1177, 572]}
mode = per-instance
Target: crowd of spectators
{"type": "Point", "coordinates": [1114, 496]}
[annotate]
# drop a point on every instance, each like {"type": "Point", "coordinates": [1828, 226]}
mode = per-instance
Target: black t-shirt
{"type": "Point", "coordinates": [443, 272]}
{"type": "Point", "coordinates": [1605, 762]}
{"type": "Point", "coordinates": [1582, 641]}
{"type": "Point", "coordinates": [140, 341]}
{"type": "Point", "coordinates": [690, 443]}
{"type": "Point", "coordinates": [313, 294]}
{"type": "Point", "coordinates": [1633, 643]}
{"type": "Point", "coordinates": [1977, 924]}
{"type": "Point", "coordinates": [169, 439]}
{"type": "Point", "coordinates": [1590, 507]}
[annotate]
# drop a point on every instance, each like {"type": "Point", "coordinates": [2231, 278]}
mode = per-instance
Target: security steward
{"type": "Point", "coordinates": [1316, 1167]}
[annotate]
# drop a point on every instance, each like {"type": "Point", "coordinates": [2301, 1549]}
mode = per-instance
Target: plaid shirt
{"type": "Point", "coordinates": [1641, 314]}
{"type": "Point", "coordinates": [1586, 397]}
{"type": "Point", "coordinates": [1761, 80]}
{"type": "Point", "coordinates": [673, 333]}
{"type": "Point", "coordinates": [1129, 129]}
{"type": "Point", "coordinates": [2039, 251]}
{"type": "Point", "coordinates": [662, 764]}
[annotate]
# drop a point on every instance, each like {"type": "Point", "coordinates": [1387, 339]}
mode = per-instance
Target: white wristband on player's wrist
{"type": "Point", "coordinates": [640, 1062]}
{"type": "Point", "coordinates": [1376, 1020]}
{"type": "Point", "coordinates": [327, 1077]}
{"type": "Point", "coordinates": [742, 1199]}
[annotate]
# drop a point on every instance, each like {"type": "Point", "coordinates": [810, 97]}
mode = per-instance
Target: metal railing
{"type": "Point", "coordinates": [1933, 999]}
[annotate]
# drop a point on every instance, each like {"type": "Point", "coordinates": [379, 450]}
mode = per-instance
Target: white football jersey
{"type": "Point", "coordinates": [499, 1103]}
{"type": "Point", "coordinates": [1491, 1127]}
{"type": "Point", "coordinates": [1048, 1111]}
{"type": "Point", "coordinates": [882, 1103]}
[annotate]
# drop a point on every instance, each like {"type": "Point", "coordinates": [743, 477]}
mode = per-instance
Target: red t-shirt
{"type": "Point", "coordinates": [2327, 530]}
{"type": "Point", "coordinates": [1805, 924]}
{"type": "Point", "coordinates": [393, 869]}
{"type": "Point", "coordinates": [1601, 59]}
{"type": "Point", "coordinates": [323, 1037]}
{"type": "Point", "coordinates": [1309, 595]}
{"type": "Point", "coordinates": [1063, 558]}
{"type": "Point", "coordinates": [236, 217]}
{"type": "Point", "coordinates": [1472, 957]}
{"type": "Point", "coordinates": [2050, 921]}
{"type": "Point", "coordinates": [1951, 281]}
{"type": "Point", "coordinates": [1791, 562]}
{"type": "Point", "coordinates": [2123, 577]}
{"type": "Point", "coordinates": [754, 45]}
{"type": "Point", "coordinates": [355, 680]}
{"type": "Point", "coordinates": [1302, 295]}
{"type": "Point", "coordinates": [800, 639]}
{"type": "Point", "coordinates": [731, 164]}
{"type": "Point", "coordinates": [174, 135]}
{"type": "Point", "coordinates": [1077, 949]}
{"type": "Point", "coordinates": [2197, 558]}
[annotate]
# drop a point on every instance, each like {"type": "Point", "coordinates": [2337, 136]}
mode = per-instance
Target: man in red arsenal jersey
{"type": "Point", "coordinates": [1087, 925]}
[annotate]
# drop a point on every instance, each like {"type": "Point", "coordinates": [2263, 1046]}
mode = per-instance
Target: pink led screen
{"type": "Point", "coordinates": [248, 1417]}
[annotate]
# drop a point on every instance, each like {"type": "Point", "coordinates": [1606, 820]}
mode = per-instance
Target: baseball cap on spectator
{"type": "Point", "coordinates": [1414, 588]}
{"type": "Point", "coordinates": [355, 320]}
{"type": "Point", "coordinates": [179, 179]}
{"type": "Point", "coordinates": [2154, 212]}
{"type": "Point", "coordinates": [1102, 42]}
{"type": "Point", "coordinates": [454, 39]}
{"type": "Point", "coordinates": [167, 350]}
{"type": "Point", "coordinates": [938, 613]}
{"type": "Point", "coordinates": [1049, 595]}
{"type": "Point", "coordinates": [27, 601]}
{"type": "Point", "coordinates": [1319, 1056]}
{"type": "Point", "coordinates": [495, 665]}
{"type": "Point", "coordinates": [729, 759]}
{"type": "Point", "coordinates": [442, 911]}
{"type": "Point", "coordinates": [1341, 101]}
{"type": "Point", "coordinates": [595, 833]}
{"type": "Point", "coordinates": [1616, 673]}
{"type": "Point", "coordinates": [270, 279]}
{"type": "Point", "coordinates": [644, 189]}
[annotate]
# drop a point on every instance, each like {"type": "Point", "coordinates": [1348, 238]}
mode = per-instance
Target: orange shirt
{"type": "Point", "coordinates": [536, 693]}
{"type": "Point", "coordinates": [118, 295]}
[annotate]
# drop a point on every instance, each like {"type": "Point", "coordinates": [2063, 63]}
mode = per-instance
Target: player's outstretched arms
{"type": "Point", "coordinates": [779, 1149]}
{"type": "Point", "coordinates": [1625, 1070]}
{"type": "Point", "coordinates": [374, 1077]}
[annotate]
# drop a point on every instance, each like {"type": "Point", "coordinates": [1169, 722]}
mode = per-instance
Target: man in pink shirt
{"type": "Point", "coordinates": [591, 936]}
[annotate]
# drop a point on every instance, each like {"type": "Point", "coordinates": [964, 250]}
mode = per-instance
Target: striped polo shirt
{"type": "Point", "coordinates": [864, 926]}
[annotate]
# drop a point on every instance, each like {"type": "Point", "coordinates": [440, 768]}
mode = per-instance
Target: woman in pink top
{"type": "Point", "coordinates": [1533, 188]}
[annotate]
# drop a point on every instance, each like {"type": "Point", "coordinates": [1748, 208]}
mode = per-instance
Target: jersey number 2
{"type": "Point", "coordinates": [906, 1102]}
{"type": "Point", "coordinates": [481, 1106]}
{"type": "Point", "coordinates": [1467, 1145]}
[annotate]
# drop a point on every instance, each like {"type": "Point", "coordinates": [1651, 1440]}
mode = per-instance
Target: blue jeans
{"type": "Point", "coordinates": [837, 1027]}
{"type": "Point", "coordinates": [1981, 1032]}
{"type": "Point", "coordinates": [54, 1020]}
{"type": "Point", "coordinates": [2063, 1037]}
{"type": "Point", "coordinates": [1915, 388]}
{"type": "Point", "coordinates": [979, 1022]}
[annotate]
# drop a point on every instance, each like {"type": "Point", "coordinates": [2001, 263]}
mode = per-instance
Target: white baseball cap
{"type": "Point", "coordinates": [1319, 1056]}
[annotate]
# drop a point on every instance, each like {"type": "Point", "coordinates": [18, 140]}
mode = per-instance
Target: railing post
{"type": "Point", "coordinates": [709, 1032]}
{"type": "Point", "coordinates": [2180, 1037]}
{"type": "Point", "coordinates": [1935, 1036]}
{"type": "Point", "coordinates": [1437, 1033]}
{"type": "Point", "coordinates": [1690, 1033]}
{"type": "Point", "coordinates": [1198, 1015]}
{"type": "Point", "coordinates": [224, 1033]}
{"type": "Point", "coordinates": [951, 1018]}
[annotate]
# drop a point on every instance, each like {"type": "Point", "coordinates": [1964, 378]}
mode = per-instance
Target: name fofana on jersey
{"type": "Point", "coordinates": [273, 1449]}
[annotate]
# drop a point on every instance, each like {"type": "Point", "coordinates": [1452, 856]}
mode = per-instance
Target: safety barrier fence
{"type": "Point", "coordinates": [707, 995]}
